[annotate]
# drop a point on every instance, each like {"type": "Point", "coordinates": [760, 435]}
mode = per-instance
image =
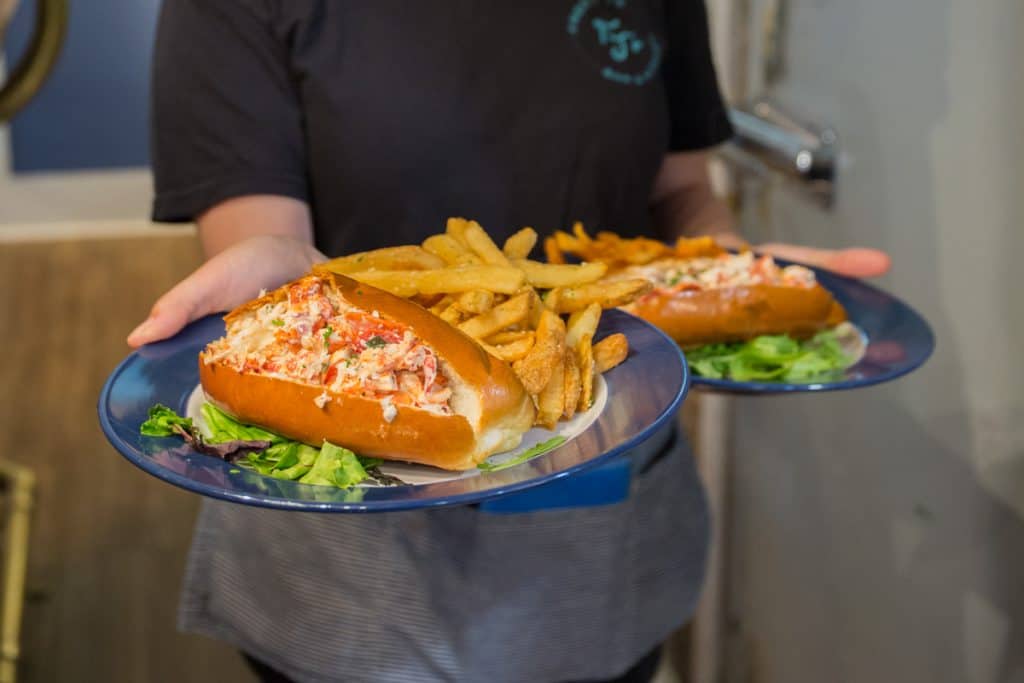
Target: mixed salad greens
{"type": "Point", "coordinates": [268, 453]}
{"type": "Point", "coordinates": [275, 456]}
{"type": "Point", "coordinates": [772, 358]}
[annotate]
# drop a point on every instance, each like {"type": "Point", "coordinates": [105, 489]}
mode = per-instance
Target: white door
{"type": "Point", "coordinates": [878, 535]}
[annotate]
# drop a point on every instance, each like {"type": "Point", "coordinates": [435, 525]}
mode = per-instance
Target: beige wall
{"type": "Point", "coordinates": [878, 535]}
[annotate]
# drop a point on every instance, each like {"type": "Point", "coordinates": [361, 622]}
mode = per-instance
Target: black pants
{"type": "Point", "coordinates": [641, 672]}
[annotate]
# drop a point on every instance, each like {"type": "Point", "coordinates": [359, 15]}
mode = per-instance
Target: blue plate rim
{"type": "Point", "coordinates": [270, 502]}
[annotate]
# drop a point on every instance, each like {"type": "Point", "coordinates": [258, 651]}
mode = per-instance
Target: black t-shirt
{"type": "Point", "coordinates": [390, 116]}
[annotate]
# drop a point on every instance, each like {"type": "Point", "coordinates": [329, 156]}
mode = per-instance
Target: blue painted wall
{"type": "Point", "coordinates": [93, 112]}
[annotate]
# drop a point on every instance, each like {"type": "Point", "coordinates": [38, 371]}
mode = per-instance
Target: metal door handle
{"type": "Point", "coordinates": [769, 139]}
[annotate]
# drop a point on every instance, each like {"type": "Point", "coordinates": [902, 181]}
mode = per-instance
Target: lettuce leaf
{"type": "Point", "coordinates": [162, 422]}
{"type": "Point", "coordinates": [335, 466]}
{"type": "Point", "coordinates": [223, 427]}
{"type": "Point", "coordinates": [771, 358]}
{"type": "Point", "coordinates": [165, 422]}
{"type": "Point", "coordinates": [304, 457]}
{"type": "Point", "coordinates": [268, 453]}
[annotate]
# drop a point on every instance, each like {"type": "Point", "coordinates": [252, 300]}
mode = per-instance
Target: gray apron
{"type": "Point", "coordinates": [457, 594]}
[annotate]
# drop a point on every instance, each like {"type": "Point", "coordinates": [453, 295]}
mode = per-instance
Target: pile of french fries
{"type": "Point", "coordinates": [618, 252]}
{"type": "Point", "coordinates": [539, 317]}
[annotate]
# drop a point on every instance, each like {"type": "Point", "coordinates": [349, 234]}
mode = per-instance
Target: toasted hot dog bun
{"type": "Point", "coordinates": [730, 314]}
{"type": "Point", "coordinates": [722, 297]}
{"type": "Point", "coordinates": [489, 408]}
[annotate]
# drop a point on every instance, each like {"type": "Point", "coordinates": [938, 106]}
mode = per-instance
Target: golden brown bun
{"type": "Point", "coordinates": [492, 409]}
{"type": "Point", "coordinates": [731, 314]}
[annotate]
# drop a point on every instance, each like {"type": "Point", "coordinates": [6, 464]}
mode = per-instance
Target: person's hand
{"type": "Point", "coordinates": [227, 280]}
{"type": "Point", "coordinates": [853, 262]}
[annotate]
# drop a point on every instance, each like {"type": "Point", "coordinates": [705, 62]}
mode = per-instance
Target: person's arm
{"type": "Point", "coordinates": [240, 218]}
{"type": "Point", "coordinates": [683, 203]}
{"type": "Point", "coordinates": [253, 242]}
{"type": "Point", "coordinates": [228, 152]}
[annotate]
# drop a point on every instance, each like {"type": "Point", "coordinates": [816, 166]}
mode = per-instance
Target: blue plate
{"type": "Point", "coordinates": [896, 340]}
{"type": "Point", "coordinates": [641, 394]}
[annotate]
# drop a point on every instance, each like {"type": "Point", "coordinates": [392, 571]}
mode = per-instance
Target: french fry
{"type": "Point", "coordinates": [408, 257]}
{"type": "Point", "coordinates": [581, 234]}
{"type": "Point", "coordinates": [511, 352]}
{"type": "Point", "coordinates": [446, 301]}
{"type": "Point", "coordinates": [582, 324]}
{"type": "Point", "coordinates": [608, 294]}
{"type": "Point", "coordinates": [393, 281]}
{"type": "Point", "coordinates": [552, 298]}
{"type": "Point", "coordinates": [537, 307]}
{"type": "Point", "coordinates": [547, 275]}
{"type": "Point", "coordinates": [552, 252]}
{"type": "Point", "coordinates": [642, 250]}
{"type": "Point", "coordinates": [551, 399]}
{"type": "Point", "coordinates": [567, 242]}
{"type": "Point", "coordinates": [692, 247]}
{"type": "Point", "coordinates": [427, 301]}
{"type": "Point", "coordinates": [509, 336]}
{"type": "Point", "coordinates": [573, 384]}
{"type": "Point", "coordinates": [519, 245]}
{"type": "Point", "coordinates": [482, 244]}
{"type": "Point", "coordinates": [406, 283]}
{"type": "Point", "coordinates": [501, 316]}
{"type": "Point", "coordinates": [476, 301]}
{"type": "Point", "coordinates": [610, 351]}
{"type": "Point", "coordinates": [615, 251]}
{"type": "Point", "coordinates": [456, 229]}
{"type": "Point", "coordinates": [534, 370]}
{"type": "Point", "coordinates": [452, 315]}
{"type": "Point", "coordinates": [450, 250]}
{"type": "Point", "coordinates": [585, 353]}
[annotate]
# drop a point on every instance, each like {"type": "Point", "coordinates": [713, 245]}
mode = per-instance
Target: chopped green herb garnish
{"type": "Point", "coordinates": [375, 342]}
{"type": "Point", "coordinates": [528, 454]}
{"type": "Point", "coordinates": [277, 322]}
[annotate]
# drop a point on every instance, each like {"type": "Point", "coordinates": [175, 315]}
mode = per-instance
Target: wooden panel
{"type": "Point", "coordinates": [108, 542]}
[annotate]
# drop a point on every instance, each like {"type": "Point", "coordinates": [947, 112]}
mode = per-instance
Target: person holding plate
{"type": "Point", "coordinates": [294, 131]}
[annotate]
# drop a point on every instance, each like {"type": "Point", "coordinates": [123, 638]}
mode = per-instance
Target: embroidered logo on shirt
{"type": "Point", "coordinates": [618, 38]}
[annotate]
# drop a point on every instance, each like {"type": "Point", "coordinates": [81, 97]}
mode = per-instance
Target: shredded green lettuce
{"type": "Point", "coordinates": [771, 358]}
